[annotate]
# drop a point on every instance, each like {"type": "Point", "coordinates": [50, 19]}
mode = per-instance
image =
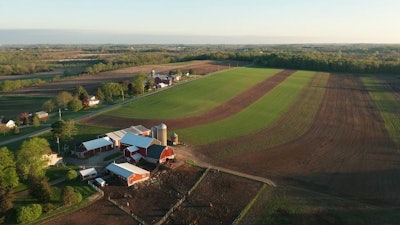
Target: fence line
{"type": "Point", "coordinates": [248, 207]}
{"type": "Point", "coordinates": [96, 188]}
{"type": "Point", "coordinates": [173, 208]}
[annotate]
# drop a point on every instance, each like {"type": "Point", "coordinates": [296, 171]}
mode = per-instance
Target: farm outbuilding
{"type": "Point", "coordinates": [87, 174]}
{"type": "Point", "coordinates": [42, 114]}
{"type": "Point", "coordinates": [88, 148]}
{"type": "Point", "coordinates": [128, 173]}
{"type": "Point", "coordinates": [8, 123]}
{"type": "Point", "coordinates": [159, 154]}
{"type": "Point", "coordinates": [100, 181]}
{"type": "Point", "coordinates": [53, 159]}
{"type": "Point", "coordinates": [116, 136]}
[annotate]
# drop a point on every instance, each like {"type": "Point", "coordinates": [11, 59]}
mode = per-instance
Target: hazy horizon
{"type": "Point", "coordinates": [199, 22]}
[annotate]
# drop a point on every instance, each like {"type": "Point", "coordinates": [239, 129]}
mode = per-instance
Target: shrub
{"type": "Point", "coordinates": [70, 197]}
{"type": "Point", "coordinates": [29, 213]}
{"type": "Point", "coordinates": [71, 175]}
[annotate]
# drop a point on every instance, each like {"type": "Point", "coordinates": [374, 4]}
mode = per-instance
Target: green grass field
{"type": "Point", "coordinates": [287, 205]}
{"type": "Point", "coordinates": [12, 106]}
{"type": "Point", "coordinates": [259, 115]}
{"type": "Point", "coordinates": [195, 97]}
{"type": "Point", "coordinates": [388, 106]}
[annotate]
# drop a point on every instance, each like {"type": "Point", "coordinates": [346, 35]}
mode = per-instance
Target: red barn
{"type": "Point", "coordinates": [159, 154]}
{"type": "Point", "coordinates": [128, 173]}
{"type": "Point", "coordinates": [89, 148]}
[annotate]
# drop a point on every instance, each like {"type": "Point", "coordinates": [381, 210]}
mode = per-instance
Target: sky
{"type": "Point", "coordinates": [198, 21]}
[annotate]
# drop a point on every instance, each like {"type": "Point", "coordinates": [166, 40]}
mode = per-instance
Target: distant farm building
{"type": "Point", "coordinates": [87, 174]}
{"type": "Point", "coordinates": [89, 148]}
{"type": "Point", "coordinates": [53, 159]}
{"type": "Point", "coordinates": [8, 123]}
{"type": "Point", "coordinates": [91, 101]}
{"type": "Point", "coordinates": [128, 173]}
{"type": "Point", "coordinates": [42, 114]}
{"type": "Point", "coordinates": [116, 136]}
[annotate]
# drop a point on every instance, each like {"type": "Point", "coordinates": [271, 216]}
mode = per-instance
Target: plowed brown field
{"type": "Point", "coordinates": [92, 82]}
{"type": "Point", "coordinates": [347, 150]}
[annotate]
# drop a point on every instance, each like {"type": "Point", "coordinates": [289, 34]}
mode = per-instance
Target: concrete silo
{"type": "Point", "coordinates": [162, 133]}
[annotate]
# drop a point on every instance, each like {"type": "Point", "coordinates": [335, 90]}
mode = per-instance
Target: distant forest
{"type": "Point", "coordinates": [91, 59]}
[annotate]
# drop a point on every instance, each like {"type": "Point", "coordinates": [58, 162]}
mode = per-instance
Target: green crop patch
{"type": "Point", "coordinates": [257, 116]}
{"type": "Point", "coordinates": [388, 106]}
{"type": "Point", "coordinates": [195, 97]}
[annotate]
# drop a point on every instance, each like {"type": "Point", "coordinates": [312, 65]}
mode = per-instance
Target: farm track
{"type": "Point", "coordinates": [225, 110]}
{"type": "Point", "coordinates": [347, 150]}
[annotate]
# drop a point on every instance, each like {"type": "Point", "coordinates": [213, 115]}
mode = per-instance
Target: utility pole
{"type": "Point", "coordinates": [59, 113]}
{"type": "Point", "coordinates": [58, 144]}
{"type": "Point", "coordinates": [123, 97]}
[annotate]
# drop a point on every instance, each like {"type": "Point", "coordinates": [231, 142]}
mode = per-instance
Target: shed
{"type": "Point", "coordinates": [100, 181]}
{"type": "Point", "coordinates": [42, 114]}
{"type": "Point", "coordinates": [8, 123]}
{"type": "Point", "coordinates": [88, 173]}
{"type": "Point", "coordinates": [128, 173]}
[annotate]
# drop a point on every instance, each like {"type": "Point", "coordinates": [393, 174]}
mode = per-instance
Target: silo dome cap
{"type": "Point", "coordinates": [174, 135]}
{"type": "Point", "coordinates": [162, 126]}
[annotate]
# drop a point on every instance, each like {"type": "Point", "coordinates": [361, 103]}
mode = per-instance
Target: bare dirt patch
{"type": "Point", "coordinates": [218, 199]}
{"type": "Point", "coordinates": [92, 82]}
{"type": "Point", "coordinates": [100, 212]}
{"type": "Point", "coordinates": [229, 108]}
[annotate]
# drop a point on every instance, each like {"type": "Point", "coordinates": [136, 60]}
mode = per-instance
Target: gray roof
{"type": "Point", "coordinates": [139, 141]}
{"type": "Point", "coordinates": [125, 169]}
{"type": "Point", "coordinates": [97, 143]}
{"type": "Point", "coordinates": [155, 151]}
{"type": "Point", "coordinates": [88, 172]}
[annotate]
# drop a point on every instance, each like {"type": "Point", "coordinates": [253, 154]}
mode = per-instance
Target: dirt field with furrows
{"type": "Point", "coordinates": [347, 151]}
{"type": "Point", "coordinates": [153, 198]}
{"type": "Point", "coordinates": [101, 212]}
{"type": "Point", "coordinates": [218, 199]}
{"type": "Point", "coordinates": [92, 82]}
{"type": "Point", "coordinates": [229, 108]}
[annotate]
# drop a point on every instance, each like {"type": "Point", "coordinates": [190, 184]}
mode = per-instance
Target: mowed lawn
{"type": "Point", "coordinates": [11, 106]}
{"type": "Point", "coordinates": [257, 116]}
{"type": "Point", "coordinates": [387, 104]}
{"type": "Point", "coordinates": [195, 97]}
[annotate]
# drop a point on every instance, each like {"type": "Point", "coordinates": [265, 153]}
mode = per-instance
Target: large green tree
{"type": "Point", "coordinates": [48, 106]}
{"type": "Point", "coordinates": [39, 188]}
{"type": "Point", "coordinates": [64, 130]}
{"type": "Point", "coordinates": [111, 89]}
{"type": "Point", "coordinates": [69, 196]}
{"type": "Point", "coordinates": [138, 82]}
{"type": "Point", "coordinates": [30, 161]}
{"type": "Point", "coordinates": [63, 98]}
{"type": "Point", "coordinates": [8, 172]}
{"type": "Point", "coordinates": [76, 104]}
{"type": "Point", "coordinates": [8, 180]}
{"type": "Point", "coordinates": [81, 92]}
